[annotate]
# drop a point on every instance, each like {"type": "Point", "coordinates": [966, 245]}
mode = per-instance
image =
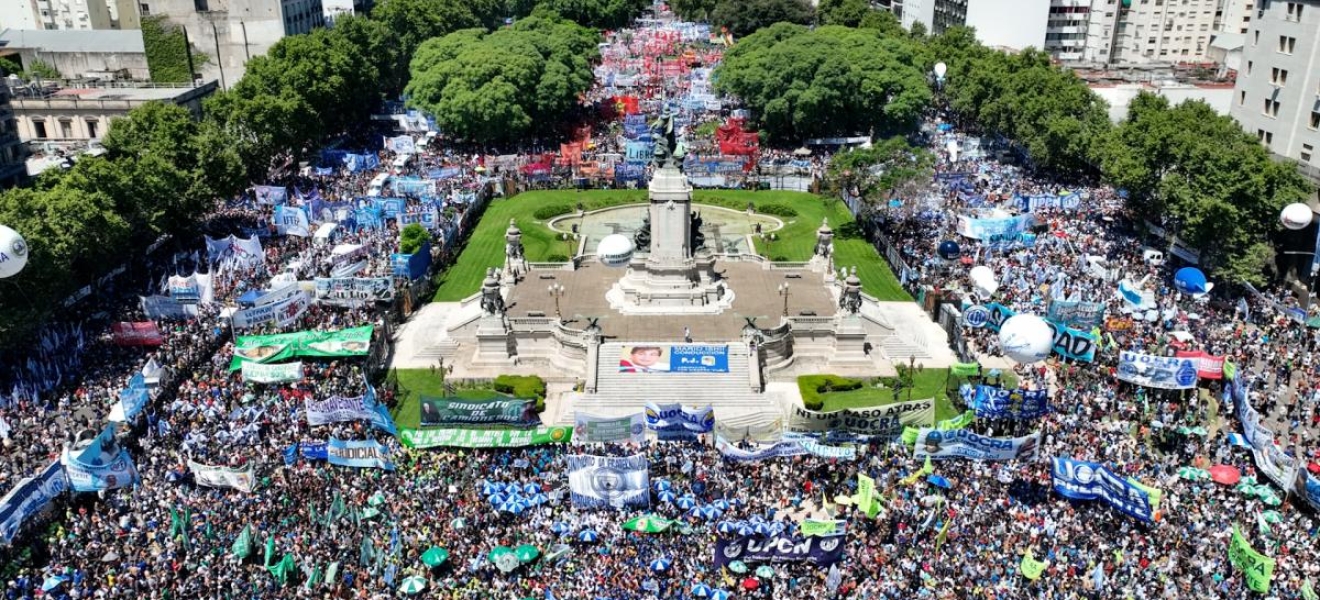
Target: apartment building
{"type": "Point", "coordinates": [1149, 31]}
{"type": "Point", "coordinates": [1277, 95]}
{"type": "Point", "coordinates": [55, 14]}
{"type": "Point", "coordinates": [13, 155]}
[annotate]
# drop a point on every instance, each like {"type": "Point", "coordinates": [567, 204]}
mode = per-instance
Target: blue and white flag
{"type": "Point", "coordinates": [361, 454]}
{"type": "Point", "coordinates": [291, 454]}
{"type": "Point", "coordinates": [1163, 372]}
{"type": "Point", "coordinates": [291, 220]}
{"type": "Point", "coordinates": [131, 401]}
{"type": "Point", "coordinates": [102, 465]}
{"type": "Point", "coordinates": [609, 481]}
{"type": "Point", "coordinates": [673, 421]}
{"type": "Point", "coordinates": [29, 497]}
{"type": "Point", "coordinates": [1237, 439]}
{"type": "Point", "coordinates": [1081, 480]}
{"type": "Point", "coordinates": [991, 402]}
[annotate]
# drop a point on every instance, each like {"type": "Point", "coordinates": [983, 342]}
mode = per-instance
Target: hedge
{"type": "Point", "coordinates": [551, 211]}
{"type": "Point", "coordinates": [813, 386]}
{"type": "Point", "coordinates": [778, 210]}
{"type": "Point", "coordinates": [523, 386]}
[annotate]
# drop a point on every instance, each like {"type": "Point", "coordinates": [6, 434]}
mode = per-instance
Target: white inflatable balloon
{"type": "Point", "coordinates": [1296, 216]}
{"type": "Point", "coordinates": [941, 69]}
{"type": "Point", "coordinates": [13, 252]}
{"type": "Point", "coordinates": [981, 273]}
{"type": "Point", "coordinates": [615, 250]}
{"type": "Point", "coordinates": [1026, 339]}
{"type": "Point", "coordinates": [952, 148]}
{"type": "Point", "coordinates": [986, 288]}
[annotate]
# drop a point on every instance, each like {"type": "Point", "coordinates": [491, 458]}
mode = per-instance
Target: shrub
{"type": "Point", "coordinates": [560, 258]}
{"type": "Point", "coordinates": [551, 211]}
{"type": "Point", "coordinates": [814, 386]}
{"type": "Point", "coordinates": [412, 237]}
{"type": "Point", "coordinates": [778, 210]}
{"type": "Point", "coordinates": [524, 387]}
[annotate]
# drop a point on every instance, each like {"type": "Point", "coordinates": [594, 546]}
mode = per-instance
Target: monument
{"type": "Point", "coordinates": [671, 273]}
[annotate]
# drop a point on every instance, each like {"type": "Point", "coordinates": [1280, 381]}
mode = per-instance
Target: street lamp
{"type": "Point", "coordinates": [557, 291]}
{"type": "Point", "coordinates": [783, 291]}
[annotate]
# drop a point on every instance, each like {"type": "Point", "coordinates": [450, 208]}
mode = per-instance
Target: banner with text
{"type": "Point", "coordinates": [283, 346]}
{"type": "Point", "coordinates": [960, 443]}
{"type": "Point", "coordinates": [209, 476]}
{"type": "Point", "coordinates": [1082, 480]}
{"type": "Point", "coordinates": [674, 358]}
{"type": "Point", "coordinates": [281, 312]}
{"type": "Point", "coordinates": [1207, 366]}
{"type": "Point", "coordinates": [457, 411]}
{"type": "Point", "coordinates": [992, 402]}
{"type": "Point", "coordinates": [29, 498]}
{"type": "Point", "coordinates": [884, 421]}
{"type": "Point", "coordinates": [254, 372]}
{"type": "Point", "coordinates": [609, 481]}
{"type": "Point", "coordinates": [484, 438]}
{"type": "Point", "coordinates": [338, 408]}
{"type": "Point", "coordinates": [590, 429]}
{"type": "Point", "coordinates": [360, 454]}
{"type": "Point", "coordinates": [820, 551]}
{"type": "Point", "coordinates": [1083, 315]}
{"type": "Point", "coordinates": [1163, 372]}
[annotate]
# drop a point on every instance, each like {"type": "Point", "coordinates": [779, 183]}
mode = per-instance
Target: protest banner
{"type": "Point", "coordinates": [1256, 567]}
{"type": "Point", "coordinates": [355, 341]}
{"type": "Point", "coordinates": [884, 421]}
{"type": "Point", "coordinates": [358, 453]}
{"type": "Point", "coordinates": [280, 313]}
{"type": "Point", "coordinates": [29, 497]}
{"type": "Point", "coordinates": [239, 479]}
{"type": "Point", "coordinates": [1082, 480]}
{"type": "Point", "coordinates": [459, 411]}
{"type": "Point", "coordinates": [1207, 365]}
{"type": "Point", "coordinates": [993, 402]}
{"type": "Point", "coordinates": [1163, 372]}
{"type": "Point", "coordinates": [144, 333]}
{"type": "Point", "coordinates": [484, 438]}
{"type": "Point", "coordinates": [609, 481]}
{"type": "Point", "coordinates": [674, 358]}
{"type": "Point", "coordinates": [1082, 315]}
{"type": "Point", "coordinates": [101, 465]}
{"type": "Point", "coordinates": [590, 429]}
{"type": "Point", "coordinates": [965, 444]}
{"type": "Point", "coordinates": [820, 551]}
{"type": "Point", "coordinates": [254, 372]}
{"type": "Point", "coordinates": [673, 421]}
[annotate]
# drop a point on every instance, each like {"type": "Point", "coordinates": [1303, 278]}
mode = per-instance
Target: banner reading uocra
{"type": "Point", "coordinates": [674, 358]}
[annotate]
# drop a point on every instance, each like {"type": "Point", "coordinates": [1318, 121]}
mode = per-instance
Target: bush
{"type": "Point", "coordinates": [524, 387]}
{"type": "Point", "coordinates": [560, 258]}
{"type": "Point", "coordinates": [551, 211]}
{"type": "Point", "coordinates": [813, 386]}
{"type": "Point", "coordinates": [412, 237]}
{"type": "Point", "coordinates": [778, 210]}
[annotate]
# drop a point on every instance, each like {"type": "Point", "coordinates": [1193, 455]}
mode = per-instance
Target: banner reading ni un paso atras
{"type": "Point", "coordinates": [609, 481]}
{"type": "Point", "coordinates": [960, 443]}
{"type": "Point", "coordinates": [821, 551]}
{"type": "Point", "coordinates": [1093, 481]}
{"type": "Point", "coordinates": [29, 497]}
{"type": "Point", "coordinates": [590, 429]}
{"type": "Point", "coordinates": [457, 411]}
{"type": "Point", "coordinates": [1164, 372]}
{"type": "Point", "coordinates": [362, 454]}
{"type": "Point", "coordinates": [885, 421]}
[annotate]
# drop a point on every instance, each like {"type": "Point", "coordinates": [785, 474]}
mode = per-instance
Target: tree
{"type": "Point", "coordinates": [802, 83]}
{"type": "Point", "coordinates": [888, 165]}
{"type": "Point", "coordinates": [604, 14]}
{"type": "Point", "coordinates": [744, 17]}
{"type": "Point", "coordinates": [693, 10]}
{"type": "Point", "coordinates": [382, 47]}
{"type": "Point", "coordinates": [411, 238]}
{"type": "Point", "coordinates": [415, 21]}
{"type": "Point", "coordinates": [503, 85]}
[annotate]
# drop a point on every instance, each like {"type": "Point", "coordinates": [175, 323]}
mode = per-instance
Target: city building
{"type": "Point", "coordinates": [53, 113]}
{"type": "Point", "coordinates": [1277, 97]}
{"type": "Point", "coordinates": [935, 15]}
{"type": "Point", "coordinates": [55, 14]}
{"type": "Point", "coordinates": [102, 54]}
{"type": "Point", "coordinates": [1010, 24]}
{"type": "Point", "coordinates": [1149, 31]}
{"type": "Point", "coordinates": [1235, 15]}
{"type": "Point", "coordinates": [231, 32]}
{"type": "Point", "coordinates": [13, 155]}
{"type": "Point", "coordinates": [1119, 96]}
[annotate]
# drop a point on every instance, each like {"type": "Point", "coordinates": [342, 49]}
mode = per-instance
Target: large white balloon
{"type": "Point", "coordinates": [940, 69]}
{"type": "Point", "coordinates": [615, 250]}
{"type": "Point", "coordinates": [1026, 338]}
{"type": "Point", "coordinates": [981, 273]}
{"type": "Point", "coordinates": [986, 287]}
{"type": "Point", "coordinates": [1296, 216]}
{"type": "Point", "coordinates": [13, 252]}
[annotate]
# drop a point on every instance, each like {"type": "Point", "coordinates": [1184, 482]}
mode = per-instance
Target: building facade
{"type": "Point", "coordinates": [55, 14]}
{"type": "Point", "coordinates": [231, 32]}
{"type": "Point", "coordinates": [935, 15]}
{"type": "Point", "coordinates": [13, 156]}
{"type": "Point", "coordinates": [1150, 31]}
{"type": "Point", "coordinates": [81, 114]}
{"type": "Point", "coordinates": [105, 54]}
{"type": "Point", "coordinates": [1277, 95]}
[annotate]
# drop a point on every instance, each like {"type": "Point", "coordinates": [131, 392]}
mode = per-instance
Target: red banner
{"type": "Point", "coordinates": [136, 334]}
{"type": "Point", "coordinates": [1207, 366]}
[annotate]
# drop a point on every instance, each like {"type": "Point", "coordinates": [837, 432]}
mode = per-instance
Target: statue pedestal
{"type": "Point", "coordinates": [493, 347]}
{"type": "Point", "coordinates": [670, 279]}
{"type": "Point", "coordinates": [849, 343]}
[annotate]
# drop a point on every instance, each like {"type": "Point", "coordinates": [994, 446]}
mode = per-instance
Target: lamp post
{"type": "Point", "coordinates": [557, 291]}
{"type": "Point", "coordinates": [783, 291]}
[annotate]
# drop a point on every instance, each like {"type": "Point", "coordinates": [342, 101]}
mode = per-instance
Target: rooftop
{"type": "Point", "coordinates": [102, 41]}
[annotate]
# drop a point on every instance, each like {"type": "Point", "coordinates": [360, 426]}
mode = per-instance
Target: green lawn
{"type": "Point", "coordinates": [485, 249]}
{"type": "Point", "coordinates": [930, 383]}
{"type": "Point", "coordinates": [415, 383]}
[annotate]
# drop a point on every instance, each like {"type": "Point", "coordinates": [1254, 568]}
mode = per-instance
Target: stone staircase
{"type": "Point", "coordinates": [618, 394]}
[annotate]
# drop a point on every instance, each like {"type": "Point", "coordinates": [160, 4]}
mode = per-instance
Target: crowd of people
{"type": "Point", "coordinates": [307, 529]}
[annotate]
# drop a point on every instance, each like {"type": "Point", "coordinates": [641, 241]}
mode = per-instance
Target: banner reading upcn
{"type": "Point", "coordinates": [609, 481]}
{"type": "Point", "coordinates": [283, 346]}
{"type": "Point", "coordinates": [1164, 372]}
{"type": "Point", "coordinates": [457, 411]}
{"type": "Point", "coordinates": [484, 438]}
{"type": "Point", "coordinates": [590, 429]}
{"type": "Point", "coordinates": [820, 551]}
{"type": "Point", "coordinates": [960, 443]}
{"type": "Point", "coordinates": [674, 358]}
{"type": "Point", "coordinates": [884, 421]}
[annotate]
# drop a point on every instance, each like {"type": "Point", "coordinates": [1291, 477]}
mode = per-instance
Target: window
{"type": "Point", "coordinates": [1315, 119]}
{"type": "Point", "coordinates": [1279, 76]}
{"type": "Point", "coordinates": [1271, 108]}
{"type": "Point", "coordinates": [145, 9]}
{"type": "Point", "coordinates": [66, 128]}
{"type": "Point", "coordinates": [1305, 154]}
{"type": "Point", "coordinates": [1294, 11]}
{"type": "Point", "coordinates": [1265, 137]}
{"type": "Point", "coordinates": [1287, 44]}
{"type": "Point", "coordinates": [201, 6]}
{"type": "Point", "coordinates": [91, 129]}
{"type": "Point", "coordinates": [39, 128]}
{"type": "Point", "coordinates": [1242, 97]}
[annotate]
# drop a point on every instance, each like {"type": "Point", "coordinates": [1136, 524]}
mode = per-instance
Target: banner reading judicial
{"type": "Point", "coordinates": [886, 421]}
{"type": "Point", "coordinates": [355, 341]}
{"type": "Point", "coordinates": [484, 438]}
{"type": "Point", "coordinates": [357, 453]}
{"type": "Point", "coordinates": [457, 411]}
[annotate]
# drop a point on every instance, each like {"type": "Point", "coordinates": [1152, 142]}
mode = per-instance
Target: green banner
{"type": "Point", "coordinates": [1031, 568]}
{"type": "Point", "coordinates": [1230, 370]}
{"type": "Point", "coordinates": [1156, 494]}
{"type": "Point", "coordinates": [967, 418]}
{"type": "Point", "coordinates": [283, 346]}
{"type": "Point", "coordinates": [813, 527]}
{"type": "Point", "coordinates": [460, 411]}
{"type": "Point", "coordinates": [1257, 567]}
{"type": "Point", "coordinates": [648, 524]}
{"type": "Point", "coordinates": [965, 369]}
{"type": "Point", "coordinates": [242, 547]}
{"type": "Point", "coordinates": [484, 438]}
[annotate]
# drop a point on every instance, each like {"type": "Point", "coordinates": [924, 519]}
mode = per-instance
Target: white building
{"type": "Point", "coordinates": [1235, 15]}
{"type": "Point", "coordinates": [1219, 97]}
{"type": "Point", "coordinates": [1149, 31]}
{"type": "Point", "coordinates": [1015, 24]}
{"type": "Point", "coordinates": [55, 14]}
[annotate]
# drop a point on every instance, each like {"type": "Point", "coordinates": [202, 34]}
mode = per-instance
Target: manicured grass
{"type": "Point", "coordinates": [929, 383]}
{"type": "Point", "coordinates": [485, 249]}
{"type": "Point", "coordinates": [415, 383]}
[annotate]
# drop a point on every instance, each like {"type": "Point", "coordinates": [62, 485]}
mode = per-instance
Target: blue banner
{"type": "Point", "coordinates": [1163, 372]}
{"type": "Point", "coordinates": [102, 465]}
{"type": "Point", "coordinates": [337, 408]}
{"type": "Point", "coordinates": [291, 220]}
{"type": "Point", "coordinates": [609, 481]}
{"type": "Point", "coordinates": [412, 266]}
{"type": "Point", "coordinates": [360, 454]}
{"type": "Point", "coordinates": [391, 207]}
{"type": "Point", "coordinates": [638, 152]}
{"type": "Point", "coordinates": [270, 194]}
{"type": "Point", "coordinates": [1077, 314]}
{"type": "Point", "coordinates": [1081, 480]}
{"type": "Point", "coordinates": [134, 397]}
{"type": "Point", "coordinates": [992, 402]}
{"type": "Point", "coordinates": [313, 450]}
{"type": "Point", "coordinates": [29, 497]}
{"type": "Point", "coordinates": [996, 232]}
{"type": "Point", "coordinates": [1066, 201]}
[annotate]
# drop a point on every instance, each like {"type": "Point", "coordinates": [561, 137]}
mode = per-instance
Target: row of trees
{"type": "Point", "coordinates": [745, 17]}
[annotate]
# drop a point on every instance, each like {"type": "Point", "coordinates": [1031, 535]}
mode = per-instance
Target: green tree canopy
{"type": "Point", "coordinates": [888, 165]}
{"type": "Point", "coordinates": [803, 83]}
{"type": "Point", "coordinates": [745, 17]}
{"type": "Point", "coordinates": [500, 86]}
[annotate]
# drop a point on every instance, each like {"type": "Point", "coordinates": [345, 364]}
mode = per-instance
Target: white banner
{"type": "Point", "coordinates": [292, 220]}
{"type": "Point", "coordinates": [234, 249]}
{"type": "Point", "coordinates": [281, 313]}
{"type": "Point", "coordinates": [960, 443]}
{"type": "Point", "coordinates": [255, 372]}
{"type": "Point", "coordinates": [222, 476]}
{"type": "Point", "coordinates": [885, 420]}
{"type": "Point", "coordinates": [277, 293]}
{"type": "Point", "coordinates": [1163, 372]}
{"type": "Point", "coordinates": [590, 429]}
